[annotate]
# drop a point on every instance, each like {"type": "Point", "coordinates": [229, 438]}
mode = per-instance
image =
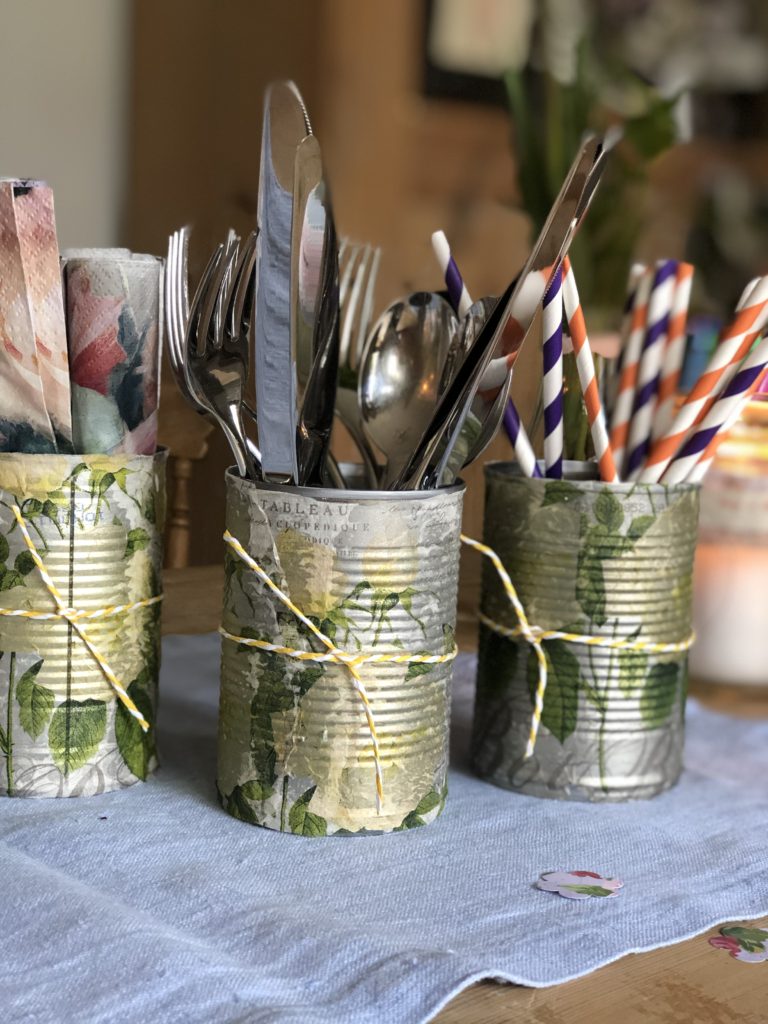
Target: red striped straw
{"type": "Point", "coordinates": [552, 385]}
{"type": "Point", "coordinates": [722, 414]}
{"type": "Point", "coordinates": [649, 370]}
{"type": "Point", "coordinates": [734, 344]}
{"type": "Point", "coordinates": [699, 471]}
{"type": "Point", "coordinates": [622, 409]}
{"type": "Point", "coordinates": [585, 365]}
{"type": "Point", "coordinates": [674, 352]}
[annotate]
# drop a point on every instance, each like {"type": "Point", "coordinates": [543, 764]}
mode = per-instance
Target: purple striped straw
{"type": "Point", "coordinates": [649, 370]}
{"type": "Point", "coordinates": [553, 376]}
{"type": "Point", "coordinates": [523, 451]}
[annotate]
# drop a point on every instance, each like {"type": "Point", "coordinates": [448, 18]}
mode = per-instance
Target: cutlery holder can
{"type": "Point", "coordinates": [377, 574]}
{"type": "Point", "coordinates": [87, 528]}
{"type": "Point", "coordinates": [609, 562]}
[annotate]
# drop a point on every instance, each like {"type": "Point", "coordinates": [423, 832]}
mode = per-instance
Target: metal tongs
{"type": "Point", "coordinates": [429, 465]}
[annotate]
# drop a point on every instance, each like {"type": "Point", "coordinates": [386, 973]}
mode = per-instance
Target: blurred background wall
{"type": "Point", "coordinates": [147, 115]}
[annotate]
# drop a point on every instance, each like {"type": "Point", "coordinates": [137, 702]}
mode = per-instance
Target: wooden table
{"type": "Point", "coordinates": [689, 983]}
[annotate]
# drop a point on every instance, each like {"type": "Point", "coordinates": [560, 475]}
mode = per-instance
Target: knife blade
{"type": "Point", "coordinates": [286, 125]}
{"type": "Point", "coordinates": [314, 309]}
{"type": "Point", "coordinates": [434, 450]}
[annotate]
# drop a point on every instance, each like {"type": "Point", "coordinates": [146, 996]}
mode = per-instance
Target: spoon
{"type": "Point", "coordinates": [401, 373]}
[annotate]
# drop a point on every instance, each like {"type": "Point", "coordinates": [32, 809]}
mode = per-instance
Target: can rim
{"type": "Point", "coordinates": [161, 451]}
{"type": "Point", "coordinates": [583, 475]}
{"type": "Point", "coordinates": [347, 495]}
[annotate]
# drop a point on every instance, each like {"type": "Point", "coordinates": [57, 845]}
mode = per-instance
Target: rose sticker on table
{"type": "Point", "coordinates": [579, 885]}
{"type": "Point", "coordinates": [750, 945]}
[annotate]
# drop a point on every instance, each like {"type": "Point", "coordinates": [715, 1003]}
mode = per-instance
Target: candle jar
{"type": "Point", "coordinates": [730, 596]}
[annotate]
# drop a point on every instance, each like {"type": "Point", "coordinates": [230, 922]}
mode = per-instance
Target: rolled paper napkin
{"type": "Point", "coordinates": [585, 366]}
{"type": "Point", "coordinates": [36, 229]}
{"type": "Point", "coordinates": [113, 320]}
{"type": "Point", "coordinates": [625, 396]}
{"type": "Point", "coordinates": [553, 377]}
{"type": "Point", "coordinates": [735, 343]}
{"type": "Point", "coordinates": [674, 352]}
{"type": "Point", "coordinates": [649, 370]}
{"type": "Point", "coordinates": [24, 421]}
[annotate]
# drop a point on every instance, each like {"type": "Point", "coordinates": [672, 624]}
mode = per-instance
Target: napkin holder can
{"type": "Point", "coordinates": [377, 573]}
{"type": "Point", "coordinates": [610, 562]}
{"type": "Point", "coordinates": [96, 523]}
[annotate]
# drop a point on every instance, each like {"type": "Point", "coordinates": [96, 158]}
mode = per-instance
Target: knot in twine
{"type": "Point", "coordinates": [332, 654]}
{"type": "Point", "coordinates": [73, 617]}
{"type": "Point", "coordinates": [534, 636]}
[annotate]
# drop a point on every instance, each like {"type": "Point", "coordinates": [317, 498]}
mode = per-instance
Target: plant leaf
{"type": "Point", "coordinates": [35, 702]}
{"type": "Point", "coordinates": [136, 746]}
{"type": "Point", "coordinates": [557, 491]}
{"type": "Point", "coordinates": [639, 525]}
{"type": "Point", "coordinates": [24, 563]}
{"type": "Point", "coordinates": [302, 821]}
{"type": "Point", "coordinates": [76, 730]}
{"type": "Point", "coordinates": [561, 699]}
{"type": "Point", "coordinates": [608, 510]}
{"type": "Point", "coordinates": [660, 693]}
{"type": "Point", "coordinates": [4, 548]}
{"type": "Point", "coordinates": [137, 540]}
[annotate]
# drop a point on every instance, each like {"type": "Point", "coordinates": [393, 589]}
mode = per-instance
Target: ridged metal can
{"type": "Point", "coordinates": [377, 573]}
{"type": "Point", "coordinates": [96, 521]}
{"type": "Point", "coordinates": [597, 560]}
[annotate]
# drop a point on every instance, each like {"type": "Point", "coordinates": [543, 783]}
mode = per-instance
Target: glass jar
{"type": "Point", "coordinates": [730, 593]}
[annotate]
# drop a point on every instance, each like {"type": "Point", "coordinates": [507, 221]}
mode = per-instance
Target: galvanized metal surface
{"type": "Point", "coordinates": [600, 561]}
{"type": "Point", "coordinates": [376, 573]}
{"type": "Point", "coordinates": [97, 523]}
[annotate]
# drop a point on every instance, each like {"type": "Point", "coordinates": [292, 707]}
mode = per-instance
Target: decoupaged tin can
{"type": "Point", "coordinates": [96, 522]}
{"type": "Point", "coordinates": [598, 560]}
{"type": "Point", "coordinates": [377, 572]}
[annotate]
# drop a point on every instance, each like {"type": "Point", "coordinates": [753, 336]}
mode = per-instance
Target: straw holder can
{"type": "Point", "coordinates": [95, 522]}
{"type": "Point", "coordinates": [377, 574]}
{"type": "Point", "coordinates": [603, 561]}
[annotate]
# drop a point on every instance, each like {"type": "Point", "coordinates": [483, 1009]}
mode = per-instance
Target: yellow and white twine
{"type": "Point", "coordinates": [534, 635]}
{"type": "Point", "coordinates": [332, 654]}
{"type": "Point", "coordinates": [74, 616]}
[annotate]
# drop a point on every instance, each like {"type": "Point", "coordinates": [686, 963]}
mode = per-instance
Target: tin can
{"type": "Point", "coordinates": [597, 560]}
{"type": "Point", "coordinates": [96, 522]}
{"type": "Point", "coordinates": [377, 572]}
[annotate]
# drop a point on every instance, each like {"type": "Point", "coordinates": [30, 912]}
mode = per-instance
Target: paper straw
{"type": "Point", "coordinates": [636, 271]}
{"type": "Point", "coordinates": [734, 345]}
{"type": "Point", "coordinates": [553, 377]}
{"type": "Point", "coordinates": [460, 299]}
{"type": "Point", "coordinates": [585, 366]}
{"type": "Point", "coordinates": [454, 283]}
{"type": "Point", "coordinates": [699, 471]}
{"type": "Point", "coordinates": [622, 410]}
{"type": "Point", "coordinates": [723, 413]}
{"type": "Point", "coordinates": [523, 450]}
{"type": "Point", "coordinates": [674, 352]}
{"type": "Point", "coordinates": [649, 370]}
{"type": "Point", "coordinates": [521, 315]}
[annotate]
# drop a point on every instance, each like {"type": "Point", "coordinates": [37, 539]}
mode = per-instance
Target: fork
{"type": "Point", "coordinates": [208, 342]}
{"type": "Point", "coordinates": [358, 267]}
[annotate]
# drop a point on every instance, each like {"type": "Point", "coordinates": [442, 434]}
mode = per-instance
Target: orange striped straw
{"type": "Point", "coordinates": [625, 396]}
{"type": "Point", "coordinates": [585, 365]}
{"type": "Point", "coordinates": [674, 351]}
{"type": "Point", "coordinates": [734, 344]}
{"type": "Point", "coordinates": [698, 472]}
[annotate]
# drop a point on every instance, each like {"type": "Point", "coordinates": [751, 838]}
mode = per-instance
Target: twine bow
{"type": "Point", "coordinates": [73, 616]}
{"type": "Point", "coordinates": [534, 635]}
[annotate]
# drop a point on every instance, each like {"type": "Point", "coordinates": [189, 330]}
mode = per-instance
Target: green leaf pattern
{"type": "Point", "coordinates": [61, 735]}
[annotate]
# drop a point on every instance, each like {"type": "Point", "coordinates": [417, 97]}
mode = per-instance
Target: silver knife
{"type": "Point", "coordinates": [433, 452]}
{"type": "Point", "coordinates": [286, 125]}
{"type": "Point", "coordinates": [314, 309]}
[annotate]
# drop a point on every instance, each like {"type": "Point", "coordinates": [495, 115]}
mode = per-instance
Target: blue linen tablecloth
{"type": "Point", "coordinates": [151, 904]}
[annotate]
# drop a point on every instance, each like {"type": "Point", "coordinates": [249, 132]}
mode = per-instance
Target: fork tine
{"type": "Point", "coordinates": [366, 311]}
{"type": "Point", "coordinates": [351, 304]}
{"type": "Point", "coordinates": [193, 333]}
{"type": "Point", "coordinates": [238, 315]}
{"type": "Point", "coordinates": [214, 328]}
{"type": "Point", "coordinates": [351, 251]}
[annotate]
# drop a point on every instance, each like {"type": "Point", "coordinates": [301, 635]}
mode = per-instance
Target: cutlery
{"type": "Point", "coordinates": [359, 267]}
{"type": "Point", "coordinates": [400, 375]}
{"type": "Point", "coordinates": [286, 125]}
{"type": "Point", "coordinates": [430, 458]}
{"type": "Point", "coordinates": [208, 341]}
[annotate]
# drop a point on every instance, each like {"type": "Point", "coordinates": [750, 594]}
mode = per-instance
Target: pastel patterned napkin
{"type": "Point", "coordinates": [113, 320]}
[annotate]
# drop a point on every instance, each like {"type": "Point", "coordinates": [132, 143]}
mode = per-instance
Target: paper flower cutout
{"type": "Point", "coordinates": [579, 885]}
{"type": "Point", "coordinates": [749, 945]}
